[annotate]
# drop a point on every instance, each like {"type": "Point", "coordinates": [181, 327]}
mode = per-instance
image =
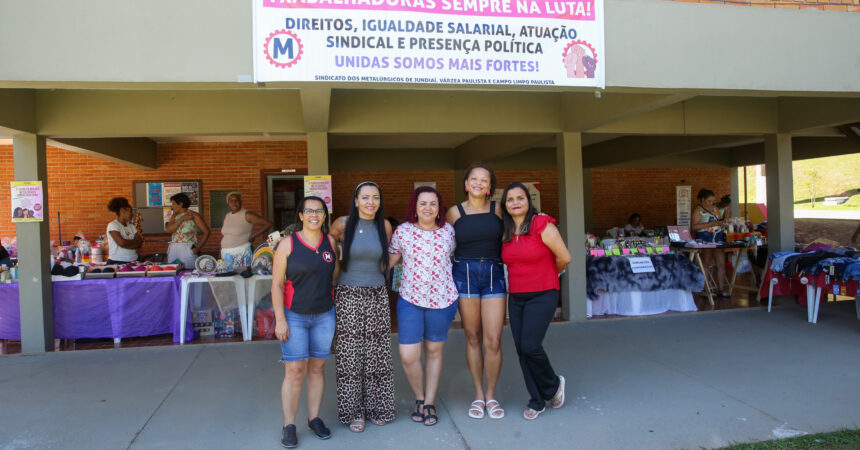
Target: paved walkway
{"type": "Point", "coordinates": [826, 214]}
{"type": "Point", "coordinates": [678, 381]}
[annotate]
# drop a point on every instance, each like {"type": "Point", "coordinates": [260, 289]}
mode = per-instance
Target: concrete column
{"type": "Point", "coordinates": [780, 192]}
{"type": "Point", "coordinates": [735, 193]}
{"type": "Point", "coordinates": [572, 226]}
{"type": "Point", "coordinates": [34, 268]}
{"type": "Point", "coordinates": [587, 199]}
{"type": "Point", "coordinates": [317, 153]}
{"type": "Point", "coordinates": [459, 187]}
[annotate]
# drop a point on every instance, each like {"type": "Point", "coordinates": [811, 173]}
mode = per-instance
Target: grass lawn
{"type": "Point", "coordinates": [853, 203]}
{"type": "Point", "coordinates": [843, 439]}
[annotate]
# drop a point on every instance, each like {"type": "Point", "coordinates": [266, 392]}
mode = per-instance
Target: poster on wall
{"type": "Point", "coordinates": [534, 193]}
{"type": "Point", "coordinates": [319, 186]}
{"type": "Point", "coordinates": [471, 42]}
{"type": "Point", "coordinates": [684, 203]}
{"type": "Point", "coordinates": [169, 190]}
{"type": "Point", "coordinates": [27, 201]}
{"type": "Point", "coordinates": [153, 194]}
{"type": "Point", "coordinates": [190, 189]}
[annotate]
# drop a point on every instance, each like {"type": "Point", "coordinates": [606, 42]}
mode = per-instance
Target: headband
{"type": "Point", "coordinates": [365, 183]}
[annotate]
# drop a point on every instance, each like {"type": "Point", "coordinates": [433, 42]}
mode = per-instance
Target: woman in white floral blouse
{"type": "Point", "coordinates": [428, 295]}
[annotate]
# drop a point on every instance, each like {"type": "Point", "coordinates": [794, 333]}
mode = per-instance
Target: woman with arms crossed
{"type": "Point", "coordinates": [480, 280]}
{"type": "Point", "coordinates": [535, 254]}
{"type": "Point", "coordinates": [428, 296]}
{"type": "Point", "coordinates": [123, 238]}
{"type": "Point", "coordinates": [304, 269]}
{"type": "Point", "coordinates": [365, 375]}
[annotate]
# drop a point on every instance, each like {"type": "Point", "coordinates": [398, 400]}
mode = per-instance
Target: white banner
{"type": "Point", "coordinates": [684, 202]}
{"type": "Point", "coordinates": [472, 42]}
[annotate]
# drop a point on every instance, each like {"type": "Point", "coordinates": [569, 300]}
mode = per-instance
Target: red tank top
{"type": "Point", "coordinates": [531, 264]}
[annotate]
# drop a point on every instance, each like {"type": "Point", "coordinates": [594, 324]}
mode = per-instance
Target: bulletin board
{"type": "Point", "coordinates": [152, 200]}
{"type": "Point", "coordinates": [218, 207]}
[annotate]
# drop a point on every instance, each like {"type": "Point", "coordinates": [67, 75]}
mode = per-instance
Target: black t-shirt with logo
{"type": "Point", "coordinates": [310, 268]}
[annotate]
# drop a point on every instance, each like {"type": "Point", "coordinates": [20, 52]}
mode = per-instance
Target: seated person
{"type": "Point", "coordinates": [724, 207]}
{"type": "Point", "coordinates": [634, 226]}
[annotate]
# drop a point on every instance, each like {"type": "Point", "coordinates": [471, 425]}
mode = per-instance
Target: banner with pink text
{"type": "Point", "coordinates": [468, 42]}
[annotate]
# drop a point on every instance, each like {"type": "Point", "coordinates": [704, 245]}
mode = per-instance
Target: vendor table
{"type": "Point", "coordinates": [104, 308]}
{"type": "Point", "coordinates": [641, 303]}
{"type": "Point", "coordinates": [613, 288]}
{"type": "Point", "coordinates": [237, 281]}
{"type": "Point", "coordinates": [256, 287]}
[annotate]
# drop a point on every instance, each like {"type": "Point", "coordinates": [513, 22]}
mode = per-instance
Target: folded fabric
{"type": "Point", "coordinates": [614, 274]}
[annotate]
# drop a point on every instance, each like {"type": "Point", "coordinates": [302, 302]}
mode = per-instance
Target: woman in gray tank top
{"type": "Point", "coordinates": [365, 375]}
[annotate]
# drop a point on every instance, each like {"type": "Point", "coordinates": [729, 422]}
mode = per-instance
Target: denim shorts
{"type": "Point", "coordinates": [310, 336]}
{"type": "Point", "coordinates": [707, 236]}
{"type": "Point", "coordinates": [416, 324]}
{"type": "Point", "coordinates": [479, 278]}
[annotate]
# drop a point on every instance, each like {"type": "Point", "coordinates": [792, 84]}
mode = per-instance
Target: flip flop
{"type": "Point", "coordinates": [494, 409]}
{"type": "Point", "coordinates": [558, 398]}
{"type": "Point", "coordinates": [356, 426]}
{"type": "Point", "coordinates": [476, 411]}
{"type": "Point", "coordinates": [532, 414]}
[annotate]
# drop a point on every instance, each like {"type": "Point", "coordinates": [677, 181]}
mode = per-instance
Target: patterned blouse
{"type": "Point", "coordinates": [427, 281]}
{"type": "Point", "coordinates": [187, 232]}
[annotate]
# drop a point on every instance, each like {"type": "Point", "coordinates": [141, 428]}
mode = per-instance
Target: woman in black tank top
{"type": "Point", "coordinates": [304, 268]}
{"type": "Point", "coordinates": [480, 279]}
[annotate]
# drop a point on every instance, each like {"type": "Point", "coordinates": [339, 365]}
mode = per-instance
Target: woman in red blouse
{"type": "Point", "coordinates": [535, 254]}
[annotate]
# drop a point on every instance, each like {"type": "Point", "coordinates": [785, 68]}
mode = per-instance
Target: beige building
{"type": "Point", "coordinates": [687, 85]}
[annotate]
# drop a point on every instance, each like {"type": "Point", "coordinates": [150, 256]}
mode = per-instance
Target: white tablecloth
{"type": "Point", "coordinates": [639, 303]}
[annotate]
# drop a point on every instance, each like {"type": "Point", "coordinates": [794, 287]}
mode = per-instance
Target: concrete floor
{"type": "Point", "coordinates": [677, 381]}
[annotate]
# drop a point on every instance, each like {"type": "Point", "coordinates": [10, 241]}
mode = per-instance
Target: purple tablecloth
{"type": "Point", "coordinates": [108, 308]}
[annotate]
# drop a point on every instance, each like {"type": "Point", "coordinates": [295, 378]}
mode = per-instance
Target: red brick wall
{"type": "Point", "coordinates": [828, 5]}
{"type": "Point", "coordinates": [618, 193]}
{"type": "Point", "coordinates": [80, 186]}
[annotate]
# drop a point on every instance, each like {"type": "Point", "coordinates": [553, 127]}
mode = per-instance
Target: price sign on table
{"type": "Point", "coordinates": [641, 264]}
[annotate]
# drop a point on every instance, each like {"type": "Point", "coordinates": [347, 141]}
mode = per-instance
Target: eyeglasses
{"type": "Point", "coordinates": [313, 212]}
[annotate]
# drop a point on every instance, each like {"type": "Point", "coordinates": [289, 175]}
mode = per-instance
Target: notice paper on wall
{"type": "Point", "coordinates": [319, 186]}
{"type": "Point", "coordinates": [641, 264]}
{"type": "Point", "coordinates": [27, 201]}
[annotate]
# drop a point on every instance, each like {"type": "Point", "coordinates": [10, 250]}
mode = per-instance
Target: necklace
{"type": "Point", "coordinates": [360, 222]}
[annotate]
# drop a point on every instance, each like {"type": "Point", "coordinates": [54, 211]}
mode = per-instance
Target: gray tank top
{"type": "Point", "coordinates": [364, 254]}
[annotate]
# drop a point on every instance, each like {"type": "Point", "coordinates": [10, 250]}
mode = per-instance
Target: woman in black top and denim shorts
{"type": "Point", "coordinates": [480, 279]}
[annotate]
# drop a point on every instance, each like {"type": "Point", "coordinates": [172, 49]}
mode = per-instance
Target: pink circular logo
{"type": "Point", "coordinates": [580, 59]}
{"type": "Point", "coordinates": [283, 48]}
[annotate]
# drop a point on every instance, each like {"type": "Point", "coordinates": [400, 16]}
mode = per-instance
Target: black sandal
{"type": "Point", "coordinates": [431, 416]}
{"type": "Point", "coordinates": [418, 415]}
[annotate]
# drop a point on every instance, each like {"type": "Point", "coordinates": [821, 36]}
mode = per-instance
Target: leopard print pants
{"type": "Point", "coordinates": [365, 375]}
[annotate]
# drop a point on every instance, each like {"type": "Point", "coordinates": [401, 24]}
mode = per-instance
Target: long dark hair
{"type": "Point", "coordinates": [412, 206]}
{"type": "Point", "coordinates": [508, 221]}
{"type": "Point", "coordinates": [300, 209]}
{"type": "Point", "coordinates": [352, 224]}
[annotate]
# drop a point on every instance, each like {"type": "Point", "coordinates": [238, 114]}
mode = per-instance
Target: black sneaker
{"type": "Point", "coordinates": [319, 428]}
{"type": "Point", "coordinates": [288, 437]}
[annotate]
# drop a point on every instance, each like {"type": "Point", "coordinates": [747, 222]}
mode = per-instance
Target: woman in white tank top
{"type": "Point", "coordinates": [237, 232]}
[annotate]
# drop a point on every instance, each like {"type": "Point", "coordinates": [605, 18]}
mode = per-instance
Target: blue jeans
{"type": "Point", "coordinates": [479, 278]}
{"type": "Point", "coordinates": [310, 336]}
{"type": "Point", "coordinates": [416, 324]}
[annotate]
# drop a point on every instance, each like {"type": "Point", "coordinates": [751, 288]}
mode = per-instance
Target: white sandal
{"type": "Point", "coordinates": [495, 411]}
{"type": "Point", "coordinates": [532, 414]}
{"type": "Point", "coordinates": [476, 411]}
{"type": "Point", "coordinates": [558, 398]}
